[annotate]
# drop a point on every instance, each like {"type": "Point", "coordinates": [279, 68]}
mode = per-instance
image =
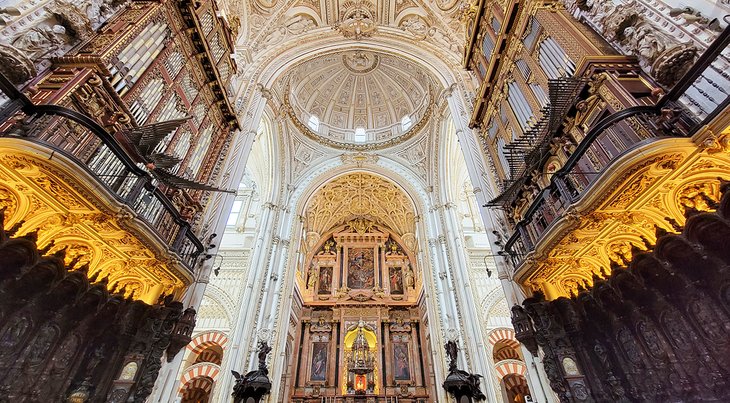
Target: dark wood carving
{"type": "Point", "coordinates": [255, 384]}
{"type": "Point", "coordinates": [656, 331]}
{"type": "Point", "coordinates": [65, 337]}
{"type": "Point", "coordinates": [462, 385]}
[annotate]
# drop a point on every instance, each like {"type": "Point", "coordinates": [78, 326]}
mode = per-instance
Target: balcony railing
{"type": "Point", "coordinates": [616, 135]}
{"type": "Point", "coordinates": [82, 140]}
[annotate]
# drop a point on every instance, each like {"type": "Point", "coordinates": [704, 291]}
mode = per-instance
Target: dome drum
{"type": "Point", "coordinates": [358, 99]}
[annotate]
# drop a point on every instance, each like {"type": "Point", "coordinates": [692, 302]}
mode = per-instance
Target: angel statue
{"type": "Point", "coordinates": [254, 384]}
{"type": "Point", "coordinates": [452, 351]}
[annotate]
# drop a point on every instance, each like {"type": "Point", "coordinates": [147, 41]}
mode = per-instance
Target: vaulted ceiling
{"type": "Point", "coordinates": [360, 195]}
{"type": "Point", "coordinates": [353, 64]}
{"type": "Point", "coordinates": [267, 24]}
{"type": "Point", "coordinates": [359, 89]}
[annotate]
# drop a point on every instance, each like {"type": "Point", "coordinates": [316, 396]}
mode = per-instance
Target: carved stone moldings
{"type": "Point", "coordinates": [359, 159]}
{"type": "Point", "coordinates": [654, 194]}
{"type": "Point", "coordinates": [15, 65]}
{"type": "Point", "coordinates": [361, 195]}
{"type": "Point", "coordinates": [357, 20]}
{"type": "Point", "coordinates": [69, 215]}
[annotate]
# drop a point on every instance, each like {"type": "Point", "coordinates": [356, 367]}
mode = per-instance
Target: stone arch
{"type": "Point", "coordinates": [196, 390]}
{"type": "Point", "coordinates": [337, 193]}
{"type": "Point", "coordinates": [490, 299]}
{"type": "Point", "coordinates": [504, 352]}
{"type": "Point", "coordinates": [275, 60]}
{"type": "Point", "coordinates": [204, 369]}
{"type": "Point", "coordinates": [508, 367]}
{"type": "Point", "coordinates": [212, 354]}
{"type": "Point", "coordinates": [505, 335]}
{"type": "Point", "coordinates": [206, 339]}
{"type": "Point", "coordinates": [218, 296]}
{"type": "Point", "coordinates": [323, 175]}
{"type": "Point", "coordinates": [516, 387]}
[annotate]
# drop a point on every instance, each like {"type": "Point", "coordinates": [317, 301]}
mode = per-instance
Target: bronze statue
{"type": "Point", "coordinates": [452, 351]}
{"type": "Point", "coordinates": [460, 383]}
{"type": "Point", "coordinates": [264, 350]}
{"type": "Point", "coordinates": [254, 384]}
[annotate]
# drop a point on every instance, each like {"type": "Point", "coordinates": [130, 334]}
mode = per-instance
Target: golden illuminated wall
{"type": "Point", "coordinates": [47, 194]}
{"type": "Point", "coordinates": [361, 195]}
{"type": "Point", "coordinates": [650, 188]}
{"type": "Point", "coordinates": [359, 267]}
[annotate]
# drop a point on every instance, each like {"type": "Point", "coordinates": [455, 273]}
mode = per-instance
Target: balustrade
{"type": "Point", "coordinates": [80, 139]}
{"type": "Point", "coordinates": [680, 113]}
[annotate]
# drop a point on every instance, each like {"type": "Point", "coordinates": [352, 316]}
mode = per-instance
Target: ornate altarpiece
{"type": "Point", "coordinates": [361, 280]}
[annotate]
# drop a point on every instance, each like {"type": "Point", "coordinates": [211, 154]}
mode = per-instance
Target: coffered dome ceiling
{"type": "Point", "coordinates": [359, 99]}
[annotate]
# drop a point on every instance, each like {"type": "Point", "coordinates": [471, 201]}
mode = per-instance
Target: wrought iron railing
{"type": "Point", "coordinates": [674, 115]}
{"type": "Point", "coordinates": [98, 153]}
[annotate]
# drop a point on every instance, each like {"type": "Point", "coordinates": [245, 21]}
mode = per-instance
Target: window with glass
{"type": "Point", "coordinates": [360, 136]}
{"type": "Point", "coordinates": [235, 212]}
{"type": "Point", "coordinates": [313, 122]}
{"type": "Point", "coordinates": [406, 122]}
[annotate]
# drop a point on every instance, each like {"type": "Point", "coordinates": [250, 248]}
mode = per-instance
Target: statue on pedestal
{"type": "Point", "coordinates": [254, 384]}
{"type": "Point", "coordinates": [461, 383]}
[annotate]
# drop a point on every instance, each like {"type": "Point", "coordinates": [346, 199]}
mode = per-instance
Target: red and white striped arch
{"type": "Point", "coordinates": [207, 339]}
{"type": "Point", "coordinates": [506, 353]}
{"type": "Point", "coordinates": [203, 383]}
{"type": "Point", "coordinates": [516, 383]}
{"type": "Point", "coordinates": [198, 371]}
{"type": "Point", "coordinates": [209, 355]}
{"type": "Point", "coordinates": [510, 367]}
{"type": "Point", "coordinates": [197, 389]}
{"type": "Point", "coordinates": [504, 335]}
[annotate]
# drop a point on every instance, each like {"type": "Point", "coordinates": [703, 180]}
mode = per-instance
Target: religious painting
{"type": "Point", "coordinates": [396, 280]}
{"type": "Point", "coordinates": [319, 362]}
{"type": "Point", "coordinates": [325, 280]}
{"type": "Point", "coordinates": [402, 365]}
{"type": "Point", "coordinates": [360, 268]}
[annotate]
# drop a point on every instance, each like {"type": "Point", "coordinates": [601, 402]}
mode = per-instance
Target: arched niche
{"type": "Point", "coordinates": [361, 349]}
{"type": "Point", "coordinates": [360, 260]}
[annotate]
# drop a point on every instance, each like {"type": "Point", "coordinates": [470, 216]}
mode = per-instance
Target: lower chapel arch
{"type": "Point", "coordinates": [201, 366]}
{"type": "Point", "coordinates": [362, 325]}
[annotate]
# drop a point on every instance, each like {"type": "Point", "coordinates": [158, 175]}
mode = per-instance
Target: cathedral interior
{"type": "Point", "coordinates": [364, 201]}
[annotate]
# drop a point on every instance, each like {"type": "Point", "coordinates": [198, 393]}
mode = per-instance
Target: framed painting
{"type": "Point", "coordinates": [402, 367]}
{"type": "Point", "coordinates": [360, 268]}
{"type": "Point", "coordinates": [396, 280]}
{"type": "Point", "coordinates": [325, 280]}
{"type": "Point", "coordinates": [319, 362]}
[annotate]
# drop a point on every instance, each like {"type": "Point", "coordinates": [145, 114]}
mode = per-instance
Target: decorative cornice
{"type": "Point", "coordinates": [369, 146]}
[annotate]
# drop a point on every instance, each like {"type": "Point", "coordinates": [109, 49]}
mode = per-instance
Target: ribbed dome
{"type": "Point", "coordinates": [383, 94]}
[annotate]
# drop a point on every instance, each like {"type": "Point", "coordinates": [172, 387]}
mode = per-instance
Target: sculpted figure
{"type": "Point", "coordinates": [99, 11]}
{"type": "Point", "coordinates": [645, 42]}
{"type": "Point", "coordinates": [408, 277]}
{"type": "Point", "coordinates": [15, 64]}
{"type": "Point", "coordinates": [415, 25]}
{"type": "Point", "coordinates": [7, 14]}
{"type": "Point", "coordinates": [299, 24]}
{"type": "Point", "coordinates": [312, 281]}
{"type": "Point", "coordinates": [40, 41]}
